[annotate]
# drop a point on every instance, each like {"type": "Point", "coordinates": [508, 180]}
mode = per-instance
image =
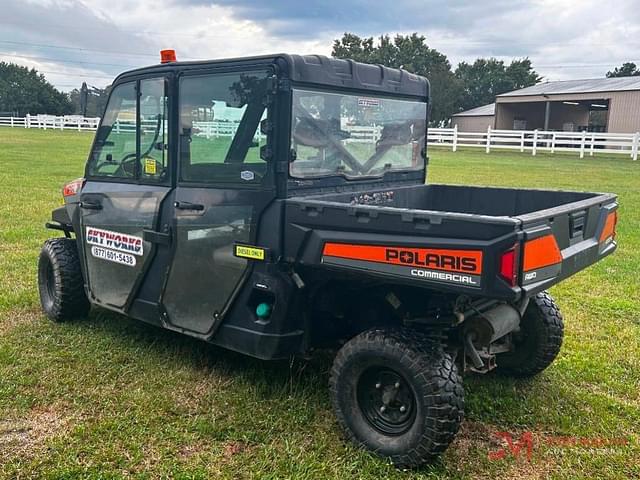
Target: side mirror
{"type": "Point", "coordinates": [265, 127]}
{"type": "Point", "coordinates": [266, 153]}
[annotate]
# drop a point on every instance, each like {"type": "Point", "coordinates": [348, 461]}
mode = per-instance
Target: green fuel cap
{"type": "Point", "coordinates": [263, 310]}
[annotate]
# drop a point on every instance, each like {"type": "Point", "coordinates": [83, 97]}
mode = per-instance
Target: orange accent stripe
{"type": "Point", "coordinates": [464, 261]}
{"type": "Point", "coordinates": [609, 229]}
{"type": "Point", "coordinates": [541, 252]}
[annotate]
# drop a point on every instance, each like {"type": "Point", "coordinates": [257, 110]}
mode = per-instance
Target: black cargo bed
{"type": "Point", "coordinates": [465, 219]}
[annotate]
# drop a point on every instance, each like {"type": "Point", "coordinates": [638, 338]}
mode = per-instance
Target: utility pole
{"type": "Point", "coordinates": [84, 95]}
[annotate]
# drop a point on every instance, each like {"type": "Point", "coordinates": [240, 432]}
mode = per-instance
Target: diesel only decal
{"type": "Point", "coordinates": [250, 252]}
{"type": "Point", "coordinates": [461, 267]}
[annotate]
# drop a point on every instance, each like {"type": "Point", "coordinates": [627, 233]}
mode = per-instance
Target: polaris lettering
{"type": "Point", "coordinates": [432, 260]}
{"type": "Point", "coordinates": [114, 240]}
{"type": "Point", "coordinates": [450, 260]}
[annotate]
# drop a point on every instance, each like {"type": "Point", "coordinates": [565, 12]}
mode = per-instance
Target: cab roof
{"type": "Point", "coordinates": [313, 70]}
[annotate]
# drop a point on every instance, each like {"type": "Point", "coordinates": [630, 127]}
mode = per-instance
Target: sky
{"type": "Point", "coordinates": [71, 41]}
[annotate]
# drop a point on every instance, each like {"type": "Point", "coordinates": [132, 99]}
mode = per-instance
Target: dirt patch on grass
{"type": "Point", "coordinates": [26, 436]}
{"type": "Point", "coordinates": [12, 319]}
{"type": "Point", "coordinates": [474, 438]}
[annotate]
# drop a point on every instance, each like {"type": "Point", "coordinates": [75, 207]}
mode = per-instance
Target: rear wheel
{"type": "Point", "coordinates": [398, 394]}
{"type": "Point", "coordinates": [60, 282]}
{"type": "Point", "coordinates": [539, 340]}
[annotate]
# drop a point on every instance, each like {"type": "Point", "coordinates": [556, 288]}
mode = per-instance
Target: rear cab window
{"type": "Point", "coordinates": [355, 136]}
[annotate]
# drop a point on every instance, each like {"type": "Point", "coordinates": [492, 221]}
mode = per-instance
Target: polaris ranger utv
{"type": "Point", "coordinates": [275, 205]}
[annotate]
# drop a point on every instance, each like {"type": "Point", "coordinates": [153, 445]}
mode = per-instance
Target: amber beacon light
{"type": "Point", "coordinates": [167, 56]}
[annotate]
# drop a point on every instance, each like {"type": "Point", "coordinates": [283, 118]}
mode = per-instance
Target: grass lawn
{"type": "Point", "coordinates": [110, 397]}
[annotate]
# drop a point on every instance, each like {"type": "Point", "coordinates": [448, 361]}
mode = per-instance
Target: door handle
{"type": "Point", "coordinates": [90, 206]}
{"type": "Point", "coordinates": [188, 206]}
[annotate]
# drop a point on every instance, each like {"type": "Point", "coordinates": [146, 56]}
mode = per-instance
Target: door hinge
{"type": "Point", "coordinates": [163, 238]}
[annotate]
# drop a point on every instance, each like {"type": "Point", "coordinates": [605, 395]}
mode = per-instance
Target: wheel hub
{"type": "Point", "coordinates": [386, 400]}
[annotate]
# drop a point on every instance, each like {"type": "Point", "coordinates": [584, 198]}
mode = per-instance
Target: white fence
{"type": "Point", "coordinates": [584, 143]}
{"type": "Point", "coordinates": [66, 122]}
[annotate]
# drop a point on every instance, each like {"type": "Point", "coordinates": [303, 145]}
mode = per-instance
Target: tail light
{"type": "Point", "coordinates": [73, 187]}
{"type": "Point", "coordinates": [509, 262]}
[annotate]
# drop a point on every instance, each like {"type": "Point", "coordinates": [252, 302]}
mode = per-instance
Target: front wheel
{"type": "Point", "coordinates": [398, 394]}
{"type": "Point", "coordinates": [60, 281]}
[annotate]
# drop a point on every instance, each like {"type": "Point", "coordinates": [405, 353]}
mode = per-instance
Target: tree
{"type": "Point", "coordinates": [628, 69]}
{"type": "Point", "coordinates": [24, 90]}
{"type": "Point", "coordinates": [413, 54]}
{"type": "Point", "coordinates": [486, 78]}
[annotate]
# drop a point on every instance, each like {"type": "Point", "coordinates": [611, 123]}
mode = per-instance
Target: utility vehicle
{"type": "Point", "coordinates": [275, 205]}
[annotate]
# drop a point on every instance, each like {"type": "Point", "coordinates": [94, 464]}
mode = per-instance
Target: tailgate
{"type": "Point", "coordinates": [561, 241]}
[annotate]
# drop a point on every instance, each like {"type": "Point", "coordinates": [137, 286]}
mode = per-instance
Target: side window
{"type": "Point", "coordinates": [114, 153]}
{"type": "Point", "coordinates": [220, 135]}
{"type": "Point", "coordinates": [153, 130]}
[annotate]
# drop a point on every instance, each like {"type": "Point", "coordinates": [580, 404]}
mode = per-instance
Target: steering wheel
{"type": "Point", "coordinates": [128, 165]}
{"type": "Point", "coordinates": [121, 168]}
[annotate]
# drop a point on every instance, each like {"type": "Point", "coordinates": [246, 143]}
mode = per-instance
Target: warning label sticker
{"type": "Point", "coordinates": [120, 242]}
{"type": "Point", "coordinates": [149, 166]}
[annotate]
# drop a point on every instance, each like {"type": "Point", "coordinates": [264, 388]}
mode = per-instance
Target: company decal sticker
{"type": "Point", "coordinates": [368, 102]}
{"type": "Point", "coordinates": [247, 175]}
{"type": "Point", "coordinates": [462, 267]}
{"type": "Point", "coordinates": [113, 256]}
{"type": "Point", "coordinates": [117, 241]}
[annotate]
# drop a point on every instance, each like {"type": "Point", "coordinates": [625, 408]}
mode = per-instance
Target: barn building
{"type": "Point", "coordinates": [597, 105]}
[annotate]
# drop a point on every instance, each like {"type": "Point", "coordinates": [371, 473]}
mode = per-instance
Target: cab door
{"type": "Point", "coordinates": [128, 176]}
{"type": "Point", "coordinates": [224, 183]}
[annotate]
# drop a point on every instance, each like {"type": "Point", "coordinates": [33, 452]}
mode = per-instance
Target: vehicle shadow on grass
{"type": "Point", "coordinates": [185, 351]}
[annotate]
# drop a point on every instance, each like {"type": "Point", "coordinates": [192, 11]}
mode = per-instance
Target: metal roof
{"type": "Point", "coordinates": [578, 86]}
{"type": "Point", "coordinates": [485, 110]}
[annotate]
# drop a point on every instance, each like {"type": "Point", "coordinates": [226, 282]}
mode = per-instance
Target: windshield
{"type": "Point", "coordinates": [355, 136]}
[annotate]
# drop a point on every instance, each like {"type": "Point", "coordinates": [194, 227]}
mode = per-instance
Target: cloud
{"type": "Point", "coordinates": [72, 41]}
{"type": "Point", "coordinates": [315, 17]}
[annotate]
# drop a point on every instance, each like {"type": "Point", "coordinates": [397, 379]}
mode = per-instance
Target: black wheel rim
{"type": "Point", "coordinates": [386, 400]}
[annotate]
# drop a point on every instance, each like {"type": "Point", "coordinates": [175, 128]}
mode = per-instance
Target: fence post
{"type": "Point", "coordinates": [553, 142]}
{"type": "Point", "coordinates": [27, 121]}
{"type": "Point", "coordinates": [522, 141]}
{"type": "Point", "coordinates": [593, 141]}
{"type": "Point", "coordinates": [634, 148]}
{"type": "Point", "coordinates": [455, 137]}
{"type": "Point", "coordinates": [488, 148]}
{"type": "Point", "coordinates": [582, 142]}
{"type": "Point", "coordinates": [535, 142]}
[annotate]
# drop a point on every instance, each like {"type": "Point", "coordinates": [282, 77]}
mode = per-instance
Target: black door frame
{"type": "Point", "coordinates": [267, 190]}
{"type": "Point", "coordinates": [169, 184]}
